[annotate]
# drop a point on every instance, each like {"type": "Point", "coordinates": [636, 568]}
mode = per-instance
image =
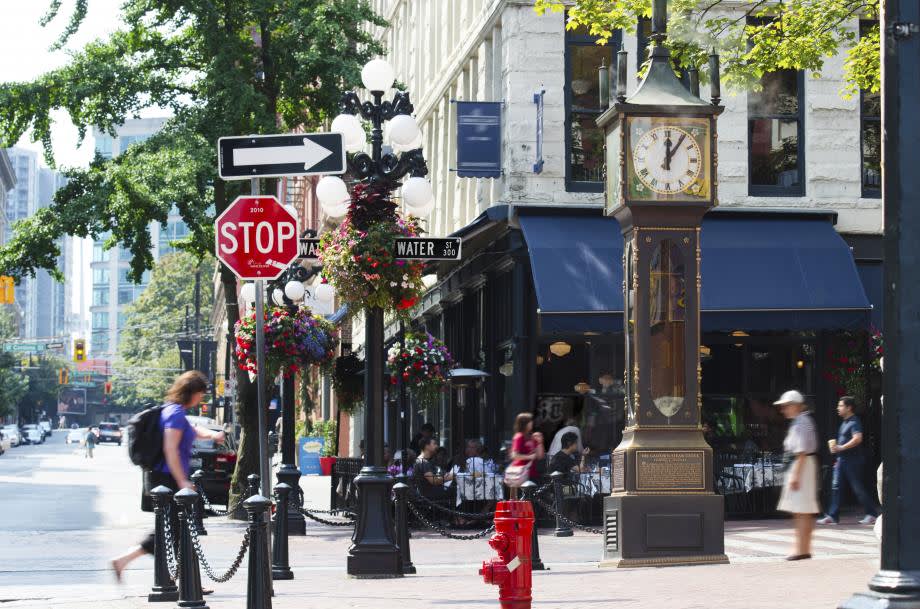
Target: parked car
{"type": "Point", "coordinates": [216, 461]}
{"type": "Point", "coordinates": [109, 432]}
{"type": "Point", "coordinates": [76, 435]}
{"type": "Point", "coordinates": [45, 426]}
{"type": "Point", "coordinates": [13, 433]}
{"type": "Point", "coordinates": [32, 434]}
{"type": "Point", "coordinates": [5, 444]}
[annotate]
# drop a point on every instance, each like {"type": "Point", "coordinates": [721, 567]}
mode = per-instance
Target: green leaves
{"type": "Point", "coordinates": [753, 36]}
{"type": "Point", "coordinates": [229, 68]}
{"type": "Point", "coordinates": [148, 357]}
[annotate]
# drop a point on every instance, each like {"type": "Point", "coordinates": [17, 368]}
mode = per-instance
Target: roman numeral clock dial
{"type": "Point", "coordinates": [667, 160]}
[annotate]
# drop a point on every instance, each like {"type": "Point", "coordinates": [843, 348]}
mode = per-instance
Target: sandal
{"type": "Point", "coordinates": [799, 557]}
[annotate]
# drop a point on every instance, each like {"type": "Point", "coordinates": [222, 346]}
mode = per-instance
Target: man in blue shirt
{"type": "Point", "coordinates": [850, 465]}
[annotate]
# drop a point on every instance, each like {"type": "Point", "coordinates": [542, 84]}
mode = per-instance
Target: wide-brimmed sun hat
{"type": "Point", "coordinates": [790, 397]}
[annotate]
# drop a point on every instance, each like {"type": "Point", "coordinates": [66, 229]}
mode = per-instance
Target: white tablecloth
{"type": "Point", "coordinates": [594, 483]}
{"type": "Point", "coordinates": [748, 476]}
{"type": "Point", "coordinates": [486, 487]}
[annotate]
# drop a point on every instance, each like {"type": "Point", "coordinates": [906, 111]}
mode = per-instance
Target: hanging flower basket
{"type": "Point", "coordinates": [348, 383]}
{"type": "Point", "coordinates": [422, 363]}
{"type": "Point", "coordinates": [357, 256]}
{"type": "Point", "coordinates": [292, 342]}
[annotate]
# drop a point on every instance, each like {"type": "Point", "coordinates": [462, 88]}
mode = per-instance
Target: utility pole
{"type": "Point", "coordinates": [198, 319]}
{"type": "Point", "coordinates": [897, 583]}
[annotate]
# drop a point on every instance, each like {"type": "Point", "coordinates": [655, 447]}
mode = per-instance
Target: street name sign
{"type": "Point", "coordinates": [428, 248]}
{"type": "Point", "coordinates": [23, 347]}
{"type": "Point", "coordinates": [309, 249]}
{"type": "Point", "coordinates": [409, 248]}
{"type": "Point", "coordinates": [256, 237]}
{"type": "Point", "coordinates": [275, 156]}
{"type": "Point", "coordinates": [54, 346]}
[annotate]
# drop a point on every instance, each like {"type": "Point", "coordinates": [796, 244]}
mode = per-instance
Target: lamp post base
{"type": "Point", "coordinates": [888, 590]}
{"type": "Point", "coordinates": [374, 553]}
{"type": "Point", "coordinates": [290, 475]}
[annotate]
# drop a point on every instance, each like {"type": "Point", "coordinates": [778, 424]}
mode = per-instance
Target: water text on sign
{"type": "Point", "coordinates": [309, 249]}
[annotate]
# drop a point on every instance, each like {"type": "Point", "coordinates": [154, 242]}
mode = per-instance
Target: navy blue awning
{"type": "Point", "coordinates": [758, 273]}
{"type": "Point", "coordinates": [577, 266]}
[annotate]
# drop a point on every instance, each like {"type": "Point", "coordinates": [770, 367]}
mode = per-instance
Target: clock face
{"type": "Point", "coordinates": [667, 160]}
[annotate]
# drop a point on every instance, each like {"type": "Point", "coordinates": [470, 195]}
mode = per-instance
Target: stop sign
{"type": "Point", "coordinates": [256, 237]}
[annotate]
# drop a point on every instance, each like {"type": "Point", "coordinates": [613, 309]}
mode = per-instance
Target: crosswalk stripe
{"type": "Point", "coordinates": [857, 537]}
{"type": "Point", "coordinates": [818, 543]}
{"type": "Point", "coordinates": [742, 545]}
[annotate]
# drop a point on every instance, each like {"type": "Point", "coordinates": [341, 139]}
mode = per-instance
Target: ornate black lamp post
{"type": "Point", "coordinates": [286, 291]}
{"type": "Point", "coordinates": [661, 180]}
{"type": "Point", "coordinates": [374, 551]}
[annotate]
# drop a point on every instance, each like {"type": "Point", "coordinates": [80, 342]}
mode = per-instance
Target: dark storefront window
{"type": "Point", "coordinates": [580, 381]}
{"type": "Point", "coordinates": [584, 139]}
{"type": "Point", "coordinates": [741, 381]}
{"type": "Point", "coordinates": [776, 135]}
{"type": "Point", "coordinates": [870, 134]}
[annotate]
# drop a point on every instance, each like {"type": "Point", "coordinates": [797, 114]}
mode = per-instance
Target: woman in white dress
{"type": "Point", "coordinates": [800, 486]}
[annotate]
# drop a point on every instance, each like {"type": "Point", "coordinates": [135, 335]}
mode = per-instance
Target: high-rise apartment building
{"type": "Point", "coordinates": [43, 301]}
{"type": "Point", "coordinates": [112, 290]}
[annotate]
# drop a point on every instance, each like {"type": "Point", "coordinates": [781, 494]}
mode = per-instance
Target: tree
{"type": "Point", "coordinates": [42, 387]}
{"type": "Point", "coordinates": [13, 384]}
{"type": "Point", "coordinates": [754, 37]}
{"type": "Point", "coordinates": [148, 356]}
{"type": "Point", "coordinates": [221, 68]}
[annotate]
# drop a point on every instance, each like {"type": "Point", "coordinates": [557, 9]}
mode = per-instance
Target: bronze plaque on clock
{"type": "Point", "coordinates": [660, 470]}
{"type": "Point", "coordinates": [619, 471]}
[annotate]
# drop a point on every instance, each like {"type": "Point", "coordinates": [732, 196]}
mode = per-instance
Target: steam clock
{"type": "Point", "coordinates": [661, 180]}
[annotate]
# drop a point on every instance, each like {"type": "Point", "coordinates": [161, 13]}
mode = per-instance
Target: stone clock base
{"type": "Point", "coordinates": [663, 530]}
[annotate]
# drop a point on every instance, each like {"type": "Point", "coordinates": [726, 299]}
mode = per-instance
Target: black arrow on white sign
{"type": "Point", "coordinates": [267, 156]}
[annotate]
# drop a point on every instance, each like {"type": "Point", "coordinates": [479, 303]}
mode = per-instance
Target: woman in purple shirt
{"type": "Point", "coordinates": [178, 436]}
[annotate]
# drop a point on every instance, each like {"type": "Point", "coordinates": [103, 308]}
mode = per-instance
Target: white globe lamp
{"type": "Point", "coordinates": [377, 75]}
{"type": "Point", "coordinates": [403, 130]}
{"type": "Point", "coordinates": [332, 193]}
{"type": "Point", "coordinates": [248, 293]}
{"type": "Point", "coordinates": [278, 297]}
{"type": "Point", "coordinates": [294, 290]}
{"type": "Point", "coordinates": [418, 195]}
{"type": "Point", "coordinates": [414, 145]}
{"type": "Point", "coordinates": [324, 292]}
{"type": "Point", "coordinates": [352, 132]}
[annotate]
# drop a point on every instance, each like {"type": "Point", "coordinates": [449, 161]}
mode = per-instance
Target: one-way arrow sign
{"type": "Point", "coordinates": [273, 156]}
{"type": "Point", "coordinates": [409, 248]}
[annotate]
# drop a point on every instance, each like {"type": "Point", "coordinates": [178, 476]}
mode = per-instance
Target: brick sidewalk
{"type": "Point", "coordinates": [447, 575]}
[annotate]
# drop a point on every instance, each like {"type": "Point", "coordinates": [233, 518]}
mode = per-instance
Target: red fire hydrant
{"type": "Point", "coordinates": [510, 571]}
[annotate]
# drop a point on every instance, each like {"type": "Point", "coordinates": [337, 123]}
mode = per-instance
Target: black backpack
{"type": "Point", "coordinates": [145, 438]}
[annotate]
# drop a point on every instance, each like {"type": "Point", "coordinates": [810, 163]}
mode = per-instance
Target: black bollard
{"type": "Point", "coordinates": [280, 567]}
{"type": "Point", "coordinates": [199, 506]}
{"type": "Point", "coordinates": [164, 588]}
{"type": "Point", "coordinates": [402, 527]}
{"type": "Point", "coordinates": [258, 584]}
{"type": "Point", "coordinates": [252, 485]}
{"type": "Point", "coordinates": [562, 529]}
{"type": "Point", "coordinates": [190, 594]}
{"type": "Point", "coordinates": [529, 490]}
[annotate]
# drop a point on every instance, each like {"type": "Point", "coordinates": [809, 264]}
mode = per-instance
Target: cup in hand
{"type": "Point", "coordinates": [831, 444]}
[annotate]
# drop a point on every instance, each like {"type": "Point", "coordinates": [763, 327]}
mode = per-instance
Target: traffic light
{"type": "Point", "coordinates": [107, 388]}
{"type": "Point", "coordinates": [7, 290]}
{"type": "Point", "coordinates": [63, 376]}
{"type": "Point", "coordinates": [79, 350]}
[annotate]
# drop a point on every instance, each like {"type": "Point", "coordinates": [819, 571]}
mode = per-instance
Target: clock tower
{"type": "Point", "coordinates": [661, 180]}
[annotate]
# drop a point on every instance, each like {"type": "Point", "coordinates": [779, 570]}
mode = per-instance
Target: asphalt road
{"type": "Point", "coordinates": [63, 512]}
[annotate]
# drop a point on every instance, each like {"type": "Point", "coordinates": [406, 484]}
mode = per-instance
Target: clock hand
{"type": "Point", "coordinates": [669, 151]}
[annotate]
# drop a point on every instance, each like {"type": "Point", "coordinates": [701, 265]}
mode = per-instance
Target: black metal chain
{"type": "Point", "coordinates": [217, 512]}
{"type": "Point", "coordinates": [441, 508]}
{"type": "Point", "coordinates": [172, 561]}
{"type": "Point", "coordinates": [234, 567]}
{"type": "Point", "coordinates": [568, 521]}
{"type": "Point", "coordinates": [298, 505]}
{"type": "Point", "coordinates": [444, 532]}
{"type": "Point", "coordinates": [333, 523]}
